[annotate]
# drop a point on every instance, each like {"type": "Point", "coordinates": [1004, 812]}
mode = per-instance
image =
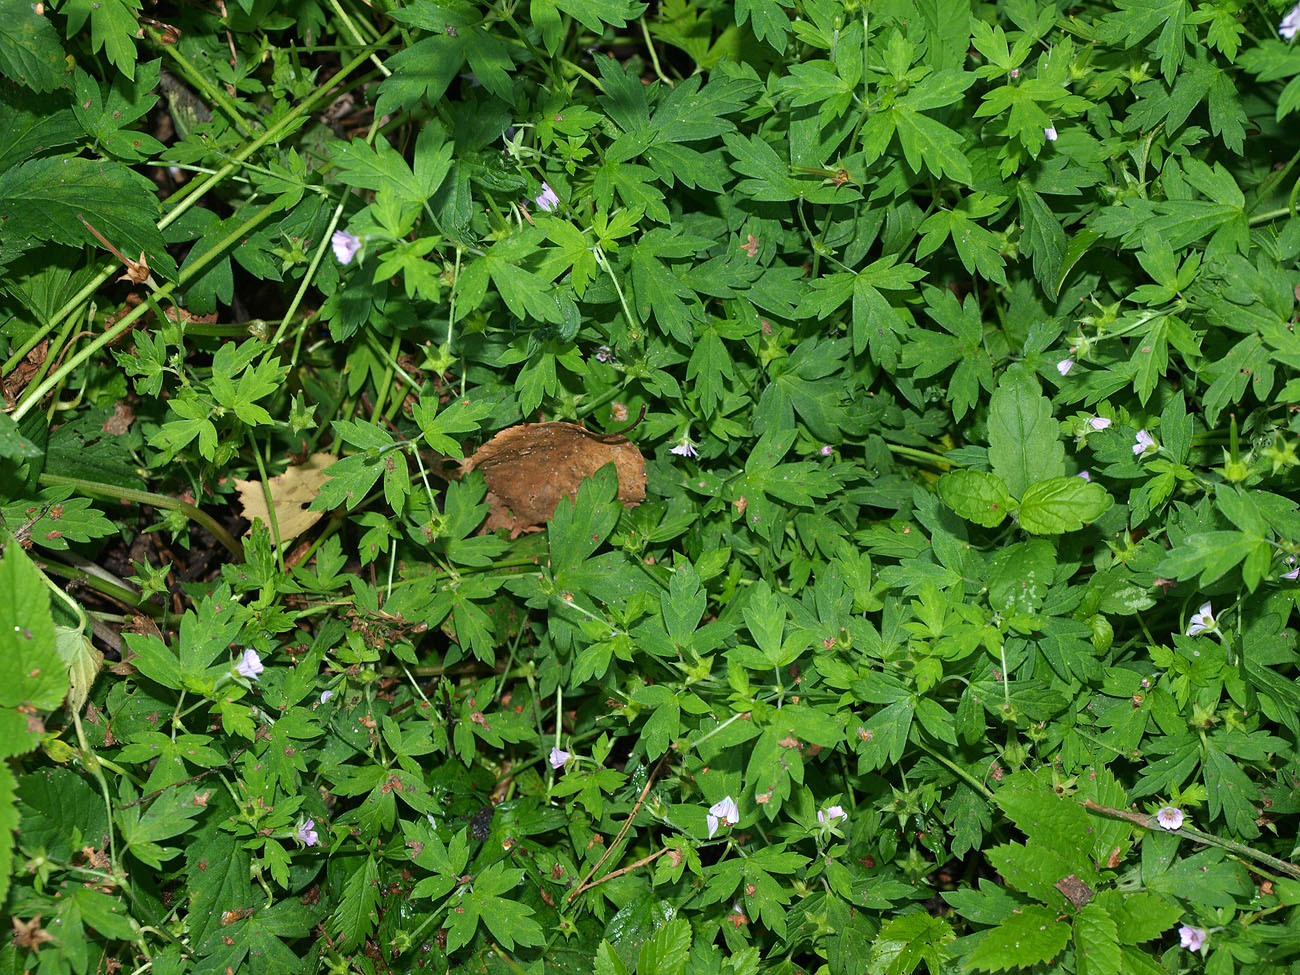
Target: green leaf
{"type": "Point", "coordinates": [1062, 504]}
{"type": "Point", "coordinates": [930, 145]}
{"type": "Point", "coordinates": [1140, 916]}
{"type": "Point", "coordinates": [30, 52]}
{"type": "Point", "coordinates": [8, 825]}
{"type": "Point", "coordinates": [1096, 944]}
{"type": "Point", "coordinates": [580, 525]}
{"type": "Point", "coordinates": [1024, 446]}
{"type": "Point", "coordinates": [904, 942]}
{"type": "Point", "coordinates": [766, 19]}
{"type": "Point", "coordinates": [12, 442]}
{"type": "Point", "coordinates": [217, 865]}
{"type": "Point", "coordinates": [666, 951]}
{"type": "Point", "coordinates": [595, 14]}
{"type": "Point", "coordinates": [1030, 936]}
{"type": "Point", "coordinates": [169, 814]}
{"type": "Point", "coordinates": [31, 671]}
{"type": "Point", "coordinates": [1211, 554]}
{"type": "Point", "coordinates": [976, 496]}
{"type": "Point", "coordinates": [113, 26]}
{"type": "Point", "coordinates": [358, 910]}
{"type": "Point", "coordinates": [42, 198]}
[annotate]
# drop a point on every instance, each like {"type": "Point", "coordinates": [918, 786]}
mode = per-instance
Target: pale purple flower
{"type": "Point", "coordinates": [547, 201]}
{"type": "Point", "coordinates": [345, 246]}
{"type": "Point", "coordinates": [722, 811]}
{"type": "Point", "coordinates": [558, 757]}
{"type": "Point", "coordinates": [250, 664]}
{"type": "Point", "coordinates": [325, 696]}
{"type": "Point", "coordinates": [1202, 621]}
{"type": "Point", "coordinates": [1099, 422]}
{"type": "Point", "coordinates": [1142, 443]}
{"type": "Point", "coordinates": [604, 354]}
{"type": "Point", "coordinates": [831, 813]}
{"type": "Point", "coordinates": [307, 834]}
{"type": "Point", "coordinates": [1290, 24]}
{"type": "Point", "coordinates": [1085, 475]}
{"type": "Point", "coordinates": [684, 448]}
{"type": "Point", "coordinates": [1015, 73]}
{"type": "Point", "coordinates": [1049, 133]}
{"type": "Point", "coordinates": [1294, 573]}
{"type": "Point", "coordinates": [1064, 366]}
{"type": "Point", "coordinates": [827, 450]}
{"type": "Point", "coordinates": [1145, 683]}
{"type": "Point", "coordinates": [1170, 817]}
{"type": "Point", "coordinates": [1191, 938]}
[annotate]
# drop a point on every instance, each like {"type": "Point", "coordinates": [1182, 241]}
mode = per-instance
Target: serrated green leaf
{"type": "Point", "coordinates": [1062, 504]}
{"type": "Point", "coordinates": [1028, 937]}
{"type": "Point", "coordinates": [31, 671]}
{"type": "Point", "coordinates": [30, 52]}
{"type": "Point", "coordinates": [1024, 446]}
{"type": "Point", "coordinates": [904, 942]}
{"type": "Point", "coordinates": [976, 496]}
{"type": "Point", "coordinates": [41, 199]}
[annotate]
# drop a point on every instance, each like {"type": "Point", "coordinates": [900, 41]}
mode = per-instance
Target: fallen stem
{"type": "Point", "coordinates": [621, 833]}
{"type": "Point", "coordinates": [153, 500]}
{"type": "Point", "coordinates": [1232, 846]}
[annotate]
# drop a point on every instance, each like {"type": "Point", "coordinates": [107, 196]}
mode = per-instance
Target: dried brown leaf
{"type": "Point", "coordinates": [291, 493]}
{"type": "Point", "coordinates": [531, 467]}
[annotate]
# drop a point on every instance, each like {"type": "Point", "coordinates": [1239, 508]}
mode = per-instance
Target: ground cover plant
{"type": "Point", "coordinates": [758, 486]}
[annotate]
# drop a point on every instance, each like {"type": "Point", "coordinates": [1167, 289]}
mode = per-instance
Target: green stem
{"type": "Point", "coordinates": [194, 191]}
{"type": "Point", "coordinates": [210, 91]}
{"type": "Point", "coordinates": [91, 581]}
{"type": "Point", "coordinates": [153, 500]}
{"type": "Point", "coordinates": [32, 397]}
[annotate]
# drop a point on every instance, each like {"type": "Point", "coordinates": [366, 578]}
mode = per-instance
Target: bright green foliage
{"type": "Point", "coordinates": [958, 344]}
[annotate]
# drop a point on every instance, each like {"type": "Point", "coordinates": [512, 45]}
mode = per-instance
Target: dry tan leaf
{"type": "Point", "coordinates": [531, 467]}
{"type": "Point", "coordinates": [291, 493]}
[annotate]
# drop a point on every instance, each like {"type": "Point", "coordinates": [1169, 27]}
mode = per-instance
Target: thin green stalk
{"type": "Point", "coordinates": [210, 91]}
{"type": "Point", "coordinates": [192, 192]}
{"type": "Point", "coordinates": [91, 581]}
{"type": "Point", "coordinates": [153, 500]}
{"type": "Point", "coordinates": [32, 397]}
{"type": "Point", "coordinates": [270, 509]}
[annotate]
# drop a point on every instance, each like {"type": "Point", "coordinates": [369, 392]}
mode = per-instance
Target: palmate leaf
{"type": "Point", "coordinates": [41, 199]}
{"type": "Point", "coordinates": [113, 27]}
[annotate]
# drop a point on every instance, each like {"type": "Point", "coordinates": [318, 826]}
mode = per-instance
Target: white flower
{"type": "Point", "coordinates": [558, 757]}
{"type": "Point", "coordinates": [1099, 423]}
{"type": "Point", "coordinates": [1170, 817]}
{"type": "Point", "coordinates": [1064, 366]}
{"type": "Point", "coordinates": [1142, 443]}
{"type": "Point", "coordinates": [1050, 133]}
{"type": "Point", "coordinates": [1290, 23]}
{"type": "Point", "coordinates": [345, 246]}
{"type": "Point", "coordinates": [1202, 621]}
{"type": "Point", "coordinates": [684, 448]}
{"type": "Point", "coordinates": [831, 813]}
{"type": "Point", "coordinates": [325, 696]}
{"type": "Point", "coordinates": [1085, 475]}
{"type": "Point", "coordinates": [1191, 938]}
{"type": "Point", "coordinates": [722, 811]}
{"type": "Point", "coordinates": [250, 664]}
{"type": "Point", "coordinates": [547, 200]}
